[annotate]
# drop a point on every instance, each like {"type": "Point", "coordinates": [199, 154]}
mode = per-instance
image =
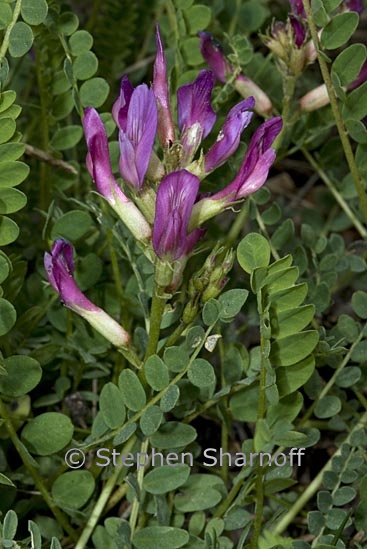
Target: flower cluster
{"type": "Point", "coordinates": [158, 199]}
{"type": "Point", "coordinates": [289, 41]}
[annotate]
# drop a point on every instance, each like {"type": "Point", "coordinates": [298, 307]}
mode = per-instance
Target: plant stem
{"type": "Point", "coordinates": [260, 416]}
{"type": "Point", "coordinates": [289, 84]}
{"type": "Point", "coordinates": [140, 477]}
{"type": "Point", "coordinates": [237, 225]}
{"type": "Point", "coordinates": [156, 313]}
{"type": "Point", "coordinates": [336, 112]}
{"type": "Point", "coordinates": [102, 500]}
{"type": "Point", "coordinates": [38, 481]}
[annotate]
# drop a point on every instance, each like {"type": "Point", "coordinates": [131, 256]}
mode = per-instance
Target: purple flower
{"type": "Point", "coordinates": [251, 176]}
{"type": "Point", "coordinates": [99, 166]}
{"type": "Point", "coordinates": [166, 130]}
{"type": "Point", "coordinates": [137, 137]}
{"type": "Point", "coordinates": [297, 8]}
{"type": "Point", "coordinates": [299, 31]}
{"type": "Point", "coordinates": [195, 113]}
{"type": "Point", "coordinates": [59, 266]}
{"type": "Point", "coordinates": [228, 139]}
{"type": "Point", "coordinates": [256, 163]}
{"type": "Point", "coordinates": [175, 199]}
{"type": "Point", "coordinates": [212, 52]}
{"type": "Point", "coordinates": [121, 105]}
{"type": "Point", "coordinates": [353, 5]}
{"type": "Point", "coordinates": [98, 157]}
{"type": "Point", "coordinates": [287, 36]}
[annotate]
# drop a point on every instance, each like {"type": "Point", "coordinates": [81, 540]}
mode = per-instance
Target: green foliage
{"type": "Point", "coordinates": [167, 537]}
{"type": "Point", "coordinates": [47, 433]}
{"type": "Point", "coordinates": [272, 365]}
{"type": "Point", "coordinates": [338, 31]}
{"type": "Point", "coordinates": [73, 489]}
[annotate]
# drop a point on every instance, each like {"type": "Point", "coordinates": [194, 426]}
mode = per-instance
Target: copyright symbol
{"type": "Point", "coordinates": [74, 458]}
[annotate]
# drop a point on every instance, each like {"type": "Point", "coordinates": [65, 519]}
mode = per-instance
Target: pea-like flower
{"type": "Point", "coordinates": [175, 200]}
{"type": "Point", "coordinates": [165, 204]}
{"type": "Point", "coordinates": [195, 114]}
{"type": "Point", "coordinates": [229, 136]}
{"type": "Point", "coordinates": [59, 266]}
{"type": "Point", "coordinates": [137, 135]}
{"type": "Point", "coordinates": [251, 176]}
{"type": "Point", "coordinates": [99, 166]}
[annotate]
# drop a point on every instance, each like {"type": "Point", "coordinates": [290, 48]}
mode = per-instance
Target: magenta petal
{"type": "Point", "coordinates": [299, 31]}
{"type": "Point", "coordinates": [175, 199]}
{"type": "Point", "coordinates": [195, 114]}
{"type": "Point", "coordinates": [121, 106]}
{"type": "Point", "coordinates": [229, 137]}
{"type": "Point", "coordinates": [166, 131]}
{"type": "Point", "coordinates": [127, 162]}
{"type": "Point", "coordinates": [98, 157]}
{"type": "Point", "coordinates": [193, 103]}
{"type": "Point", "coordinates": [59, 266]}
{"type": "Point", "coordinates": [256, 163]}
{"type": "Point", "coordinates": [136, 144]}
{"type": "Point", "coordinates": [211, 50]}
{"type": "Point", "coordinates": [297, 8]}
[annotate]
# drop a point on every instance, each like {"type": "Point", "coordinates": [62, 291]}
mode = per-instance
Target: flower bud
{"type": "Point", "coordinates": [59, 266]}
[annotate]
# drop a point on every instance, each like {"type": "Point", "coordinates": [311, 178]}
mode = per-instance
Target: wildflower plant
{"type": "Point", "coordinates": [183, 300]}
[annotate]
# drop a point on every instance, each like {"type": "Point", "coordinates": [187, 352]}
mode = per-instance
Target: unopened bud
{"type": "Point", "coordinates": [315, 99]}
{"type": "Point", "coordinates": [190, 312]}
{"type": "Point", "coordinates": [246, 87]}
{"type": "Point", "coordinates": [287, 41]}
{"type": "Point", "coordinates": [214, 290]}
